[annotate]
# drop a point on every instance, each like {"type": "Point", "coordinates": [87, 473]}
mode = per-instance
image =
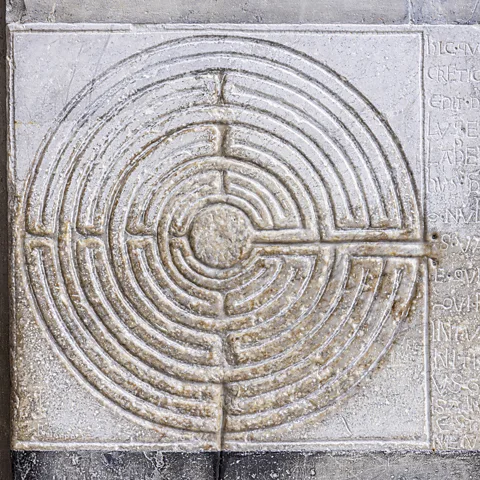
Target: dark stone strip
{"type": "Point", "coordinates": [95, 465]}
{"type": "Point", "coordinates": [4, 285]}
{"type": "Point", "coordinates": [351, 466]}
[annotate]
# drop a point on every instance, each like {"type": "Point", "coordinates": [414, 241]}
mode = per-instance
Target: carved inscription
{"type": "Point", "coordinates": [452, 76]}
{"type": "Point", "coordinates": [222, 235]}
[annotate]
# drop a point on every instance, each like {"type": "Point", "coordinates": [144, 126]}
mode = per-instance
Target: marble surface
{"type": "Point", "coordinates": [219, 240]}
{"type": "Point", "coordinates": [248, 11]}
{"type": "Point", "coordinates": [209, 11]}
{"type": "Point", "coordinates": [415, 90]}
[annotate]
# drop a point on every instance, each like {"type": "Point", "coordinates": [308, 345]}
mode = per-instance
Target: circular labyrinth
{"type": "Point", "coordinates": [209, 230]}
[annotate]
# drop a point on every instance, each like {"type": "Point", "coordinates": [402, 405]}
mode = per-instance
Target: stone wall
{"type": "Point", "coordinates": [173, 466]}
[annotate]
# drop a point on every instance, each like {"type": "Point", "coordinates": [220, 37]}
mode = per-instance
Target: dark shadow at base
{"type": "Point", "coordinates": [246, 466]}
{"type": "Point", "coordinates": [113, 465]}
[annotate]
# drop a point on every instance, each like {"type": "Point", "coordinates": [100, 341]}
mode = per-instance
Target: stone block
{"type": "Point", "coordinates": [348, 466]}
{"type": "Point", "coordinates": [218, 238]}
{"type": "Point", "coordinates": [209, 11]}
{"type": "Point", "coordinates": [445, 11]}
{"type": "Point", "coordinates": [237, 238]}
{"type": "Point", "coordinates": [83, 465]}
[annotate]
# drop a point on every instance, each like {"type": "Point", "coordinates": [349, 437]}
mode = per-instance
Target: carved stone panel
{"type": "Point", "coordinates": [452, 79]}
{"type": "Point", "coordinates": [219, 238]}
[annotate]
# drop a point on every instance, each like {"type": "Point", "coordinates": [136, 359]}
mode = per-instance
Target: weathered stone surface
{"type": "Point", "coordinates": [246, 238]}
{"type": "Point", "coordinates": [209, 11]}
{"type": "Point", "coordinates": [452, 102]}
{"type": "Point", "coordinates": [298, 153]}
{"type": "Point", "coordinates": [228, 11]}
{"type": "Point", "coordinates": [114, 466]}
{"type": "Point", "coordinates": [241, 466]}
{"type": "Point", "coordinates": [373, 466]}
{"type": "Point", "coordinates": [445, 11]}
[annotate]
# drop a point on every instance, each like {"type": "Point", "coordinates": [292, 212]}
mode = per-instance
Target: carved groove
{"type": "Point", "coordinates": [186, 225]}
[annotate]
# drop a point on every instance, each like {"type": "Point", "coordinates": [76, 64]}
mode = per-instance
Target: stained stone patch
{"type": "Point", "coordinates": [243, 238]}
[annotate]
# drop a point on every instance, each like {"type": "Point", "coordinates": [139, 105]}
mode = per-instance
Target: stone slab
{"type": "Point", "coordinates": [114, 465]}
{"type": "Point", "coordinates": [209, 11]}
{"type": "Point", "coordinates": [453, 215]}
{"type": "Point", "coordinates": [191, 270]}
{"type": "Point", "coordinates": [245, 238]}
{"type": "Point", "coordinates": [372, 466]}
{"type": "Point", "coordinates": [227, 11]}
{"type": "Point", "coordinates": [462, 12]}
{"type": "Point", "coordinates": [240, 466]}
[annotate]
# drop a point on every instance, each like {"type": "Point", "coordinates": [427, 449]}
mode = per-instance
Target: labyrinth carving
{"type": "Point", "coordinates": [222, 234]}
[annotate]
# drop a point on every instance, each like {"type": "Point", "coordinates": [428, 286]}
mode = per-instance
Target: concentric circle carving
{"type": "Point", "coordinates": [208, 227]}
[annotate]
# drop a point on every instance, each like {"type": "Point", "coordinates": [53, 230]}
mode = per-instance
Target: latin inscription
{"type": "Point", "coordinates": [452, 76]}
